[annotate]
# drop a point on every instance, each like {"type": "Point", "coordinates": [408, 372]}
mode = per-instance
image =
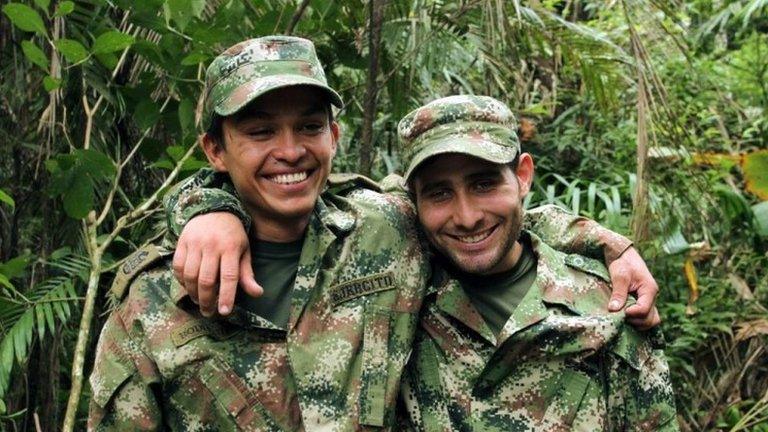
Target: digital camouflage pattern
{"type": "Point", "coordinates": [251, 68]}
{"type": "Point", "coordinates": [336, 367]}
{"type": "Point", "coordinates": [562, 362]}
{"type": "Point", "coordinates": [479, 126]}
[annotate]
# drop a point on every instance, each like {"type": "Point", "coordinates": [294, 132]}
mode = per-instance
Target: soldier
{"type": "Point", "coordinates": [325, 348]}
{"type": "Point", "coordinates": [514, 335]}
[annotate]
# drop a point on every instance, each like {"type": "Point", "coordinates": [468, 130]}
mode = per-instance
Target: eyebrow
{"type": "Point", "coordinates": [264, 115]}
{"type": "Point", "coordinates": [433, 185]}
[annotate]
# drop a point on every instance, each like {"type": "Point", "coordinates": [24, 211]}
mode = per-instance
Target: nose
{"type": "Point", "coordinates": [466, 214]}
{"type": "Point", "coordinates": [289, 148]}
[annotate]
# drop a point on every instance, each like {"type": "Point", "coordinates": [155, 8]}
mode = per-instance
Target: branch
{"type": "Point", "coordinates": [372, 90]}
{"type": "Point", "coordinates": [296, 17]}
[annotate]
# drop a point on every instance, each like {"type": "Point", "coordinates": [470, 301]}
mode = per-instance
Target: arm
{"type": "Point", "coordinates": [123, 398]}
{"type": "Point", "coordinates": [214, 247]}
{"type": "Point", "coordinates": [575, 234]}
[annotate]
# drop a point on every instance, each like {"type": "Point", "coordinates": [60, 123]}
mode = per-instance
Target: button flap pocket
{"type": "Point", "coordinates": [233, 395]}
{"type": "Point", "coordinates": [566, 399]}
{"type": "Point", "coordinates": [588, 265]}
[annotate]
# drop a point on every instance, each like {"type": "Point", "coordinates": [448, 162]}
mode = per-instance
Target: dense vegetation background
{"type": "Point", "coordinates": [649, 116]}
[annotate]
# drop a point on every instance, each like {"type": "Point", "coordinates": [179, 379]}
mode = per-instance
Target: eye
{"type": "Point", "coordinates": [438, 195]}
{"type": "Point", "coordinates": [260, 133]}
{"type": "Point", "coordinates": [312, 128]}
{"type": "Point", "coordinates": [485, 185]}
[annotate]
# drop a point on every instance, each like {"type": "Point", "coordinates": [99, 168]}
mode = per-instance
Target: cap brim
{"type": "Point", "coordinates": [480, 148]}
{"type": "Point", "coordinates": [249, 91]}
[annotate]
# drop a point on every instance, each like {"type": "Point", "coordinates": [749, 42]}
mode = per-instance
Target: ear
{"type": "Point", "coordinates": [335, 135]}
{"type": "Point", "coordinates": [525, 173]}
{"type": "Point", "coordinates": [214, 151]}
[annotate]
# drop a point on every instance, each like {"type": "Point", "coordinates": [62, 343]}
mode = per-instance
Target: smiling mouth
{"type": "Point", "coordinates": [475, 238]}
{"type": "Point", "coordinates": [292, 178]}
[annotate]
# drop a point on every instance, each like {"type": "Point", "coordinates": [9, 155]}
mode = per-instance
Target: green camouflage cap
{"type": "Point", "coordinates": [478, 126]}
{"type": "Point", "coordinates": [254, 67]}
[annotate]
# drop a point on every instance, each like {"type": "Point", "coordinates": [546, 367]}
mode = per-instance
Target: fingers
{"type": "Point", "coordinates": [620, 281]}
{"type": "Point", "coordinates": [646, 297]}
{"type": "Point", "coordinates": [179, 258]}
{"type": "Point", "coordinates": [247, 279]}
{"type": "Point", "coordinates": [646, 322]}
{"type": "Point", "coordinates": [229, 273]}
{"type": "Point", "coordinates": [206, 292]}
{"type": "Point", "coordinates": [189, 274]}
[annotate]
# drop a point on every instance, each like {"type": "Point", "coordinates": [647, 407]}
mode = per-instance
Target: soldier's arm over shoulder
{"type": "Point", "coordinates": [570, 233]}
{"type": "Point", "coordinates": [640, 387]}
{"type": "Point", "coordinates": [124, 383]}
{"type": "Point", "coordinates": [205, 192]}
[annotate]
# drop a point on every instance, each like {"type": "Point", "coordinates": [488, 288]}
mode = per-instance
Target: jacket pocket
{"type": "Point", "coordinates": [111, 376]}
{"type": "Point", "coordinates": [373, 397]}
{"type": "Point", "coordinates": [234, 398]}
{"type": "Point", "coordinates": [567, 397]}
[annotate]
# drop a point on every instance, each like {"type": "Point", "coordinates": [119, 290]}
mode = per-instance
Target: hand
{"type": "Point", "coordinates": [629, 274]}
{"type": "Point", "coordinates": [213, 248]}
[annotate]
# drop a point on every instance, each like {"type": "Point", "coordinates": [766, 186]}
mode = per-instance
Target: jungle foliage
{"type": "Point", "coordinates": [650, 116]}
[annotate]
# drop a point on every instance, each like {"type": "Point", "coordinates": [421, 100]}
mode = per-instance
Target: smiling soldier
{"type": "Point", "coordinates": [514, 335]}
{"type": "Point", "coordinates": [325, 347]}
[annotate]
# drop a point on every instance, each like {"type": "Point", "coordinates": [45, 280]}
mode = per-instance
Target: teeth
{"type": "Point", "coordinates": [289, 178]}
{"type": "Point", "coordinates": [475, 238]}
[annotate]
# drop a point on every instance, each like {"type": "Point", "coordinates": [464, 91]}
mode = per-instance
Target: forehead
{"type": "Point", "coordinates": [288, 101]}
{"type": "Point", "coordinates": [454, 167]}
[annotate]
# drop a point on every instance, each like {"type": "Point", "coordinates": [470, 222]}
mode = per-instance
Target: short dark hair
{"type": "Point", "coordinates": [215, 129]}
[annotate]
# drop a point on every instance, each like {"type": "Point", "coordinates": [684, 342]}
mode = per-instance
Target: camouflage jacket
{"type": "Point", "coordinates": [337, 367]}
{"type": "Point", "coordinates": [560, 363]}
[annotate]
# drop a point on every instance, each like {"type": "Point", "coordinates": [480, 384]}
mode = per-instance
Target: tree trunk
{"type": "Point", "coordinates": [371, 90]}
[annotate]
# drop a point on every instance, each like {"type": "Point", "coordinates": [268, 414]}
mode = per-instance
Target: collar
{"type": "Point", "coordinates": [325, 217]}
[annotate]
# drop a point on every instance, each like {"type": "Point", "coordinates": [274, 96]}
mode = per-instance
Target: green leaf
{"type": "Point", "coordinates": [182, 11]}
{"type": "Point", "coordinates": [25, 18]}
{"type": "Point", "coordinates": [194, 59]}
{"type": "Point", "coordinates": [4, 197]}
{"type": "Point", "coordinates": [34, 54]}
{"type": "Point", "coordinates": [78, 198]}
{"type": "Point", "coordinates": [43, 4]}
{"type": "Point", "coordinates": [16, 267]}
{"type": "Point", "coordinates": [64, 8]}
{"type": "Point", "coordinates": [147, 113]}
{"type": "Point", "coordinates": [72, 50]}
{"type": "Point", "coordinates": [112, 41]}
{"type": "Point", "coordinates": [187, 116]}
{"type": "Point", "coordinates": [755, 167]}
{"type": "Point", "coordinates": [760, 211]}
{"type": "Point", "coordinates": [95, 163]}
{"type": "Point", "coordinates": [6, 282]}
{"type": "Point", "coordinates": [50, 83]}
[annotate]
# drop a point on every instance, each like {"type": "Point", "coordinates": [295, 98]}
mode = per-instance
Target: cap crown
{"type": "Point", "coordinates": [251, 68]}
{"type": "Point", "coordinates": [479, 126]}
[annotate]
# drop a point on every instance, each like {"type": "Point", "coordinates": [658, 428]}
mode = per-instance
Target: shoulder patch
{"type": "Point", "coordinates": [588, 265]}
{"type": "Point", "coordinates": [340, 182]}
{"type": "Point", "coordinates": [133, 265]}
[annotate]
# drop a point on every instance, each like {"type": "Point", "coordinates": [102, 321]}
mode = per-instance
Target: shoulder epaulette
{"type": "Point", "coordinates": [338, 183]}
{"type": "Point", "coordinates": [135, 264]}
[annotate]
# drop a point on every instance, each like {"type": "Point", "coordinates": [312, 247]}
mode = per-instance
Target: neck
{"type": "Point", "coordinates": [509, 260]}
{"type": "Point", "coordinates": [278, 230]}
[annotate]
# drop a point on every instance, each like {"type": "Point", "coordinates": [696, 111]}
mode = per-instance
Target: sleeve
{"type": "Point", "coordinates": [123, 383]}
{"type": "Point", "coordinates": [640, 395]}
{"type": "Point", "coordinates": [574, 234]}
{"type": "Point", "coordinates": [205, 192]}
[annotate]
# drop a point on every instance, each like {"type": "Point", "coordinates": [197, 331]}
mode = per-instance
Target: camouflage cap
{"type": "Point", "coordinates": [254, 67]}
{"type": "Point", "coordinates": [478, 126]}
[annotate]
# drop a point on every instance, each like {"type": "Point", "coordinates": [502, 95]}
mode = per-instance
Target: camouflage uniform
{"type": "Point", "coordinates": [561, 362]}
{"type": "Point", "coordinates": [337, 367]}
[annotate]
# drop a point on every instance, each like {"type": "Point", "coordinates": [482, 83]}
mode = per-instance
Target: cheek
{"type": "Point", "coordinates": [432, 218]}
